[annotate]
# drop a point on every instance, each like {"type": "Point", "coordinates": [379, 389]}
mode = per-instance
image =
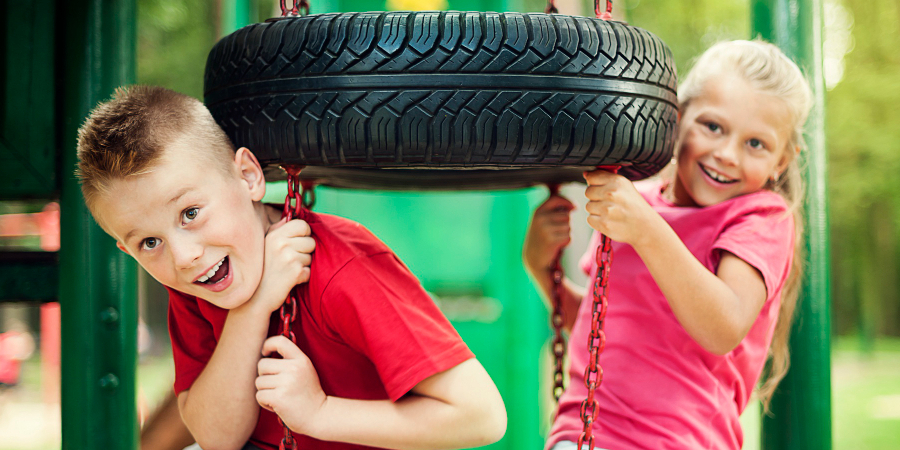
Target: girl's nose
{"type": "Point", "coordinates": [728, 152]}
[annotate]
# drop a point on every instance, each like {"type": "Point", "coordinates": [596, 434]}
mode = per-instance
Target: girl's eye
{"type": "Point", "coordinates": [149, 243]}
{"type": "Point", "coordinates": [756, 144]}
{"type": "Point", "coordinates": [189, 215]}
{"type": "Point", "coordinates": [714, 127]}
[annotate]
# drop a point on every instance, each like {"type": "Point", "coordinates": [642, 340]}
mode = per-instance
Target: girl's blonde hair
{"type": "Point", "coordinates": [765, 67]}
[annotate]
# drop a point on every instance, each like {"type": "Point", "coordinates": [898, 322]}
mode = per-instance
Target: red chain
{"type": "Point", "coordinates": [605, 15]}
{"type": "Point", "coordinates": [300, 8]}
{"type": "Point", "coordinates": [593, 373]}
{"type": "Point", "coordinates": [288, 311]}
{"type": "Point", "coordinates": [558, 344]}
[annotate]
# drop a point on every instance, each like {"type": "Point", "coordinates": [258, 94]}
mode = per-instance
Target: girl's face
{"type": "Point", "coordinates": [731, 140]}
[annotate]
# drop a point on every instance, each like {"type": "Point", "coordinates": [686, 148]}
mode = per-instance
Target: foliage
{"type": "Point", "coordinates": [863, 138]}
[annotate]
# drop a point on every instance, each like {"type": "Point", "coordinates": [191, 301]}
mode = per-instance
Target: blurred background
{"type": "Point", "coordinates": [862, 76]}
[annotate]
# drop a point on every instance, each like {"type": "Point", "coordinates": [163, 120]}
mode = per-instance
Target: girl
{"type": "Point", "coordinates": [702, 287]}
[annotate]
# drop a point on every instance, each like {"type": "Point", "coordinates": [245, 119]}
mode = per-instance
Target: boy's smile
{"type": "Point", "coordinates": [191, 225]}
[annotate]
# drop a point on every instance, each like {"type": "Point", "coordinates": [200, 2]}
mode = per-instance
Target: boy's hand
{"type": "Point", "coordinates": [289, 386]}
{"type": "Point", "coordinates": [287, 258]}
{"type": "Point", "coordinates": [548, 233]}
{"type": "Point", "coordinates": [616, 208]}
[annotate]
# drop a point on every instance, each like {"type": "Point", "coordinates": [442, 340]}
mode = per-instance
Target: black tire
{"type": "Point", "coordinates": [387, 91]}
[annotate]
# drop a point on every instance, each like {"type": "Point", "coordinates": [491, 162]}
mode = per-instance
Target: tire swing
{"type": "Point", "coordinates": [448, 101]}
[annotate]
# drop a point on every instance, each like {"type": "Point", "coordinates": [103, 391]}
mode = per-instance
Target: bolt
{"type": "Point", "coordinates": [109, 382]}
{"type": "Point", "coordinates": [109, 315]}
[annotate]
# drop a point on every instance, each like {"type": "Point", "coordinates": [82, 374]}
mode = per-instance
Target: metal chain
{"type": "Point", "coordinates": [593, 373]}
{"type": "Point", "coordinates": [558, 344]}
{"type": "Point", "coordinates": [299, 8]}
{"type": "Point", "coordinates": [605, 15]}
{"type": "Point", "coordinates": [551, 8]}
{"type": "Point", "coordinates": [293, 205]}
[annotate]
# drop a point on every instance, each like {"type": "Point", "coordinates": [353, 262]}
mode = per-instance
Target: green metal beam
{"type": "Point", "coordinates": [98, 293]}
{"type": "Point", "coordinates": [28, 276]}
{"type": "Point", "coordinates": [801, 407]}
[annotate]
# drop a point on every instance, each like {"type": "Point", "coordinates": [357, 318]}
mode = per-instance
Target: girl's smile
{"type": "Point", "coordinates": [732, 139]}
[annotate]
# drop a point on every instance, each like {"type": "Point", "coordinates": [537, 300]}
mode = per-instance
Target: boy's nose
{"type": "Point", "coordinates": [185, 252]}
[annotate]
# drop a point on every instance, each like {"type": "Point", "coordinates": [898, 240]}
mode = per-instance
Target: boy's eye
{"type": "Point", "coordinates": [149, 243]}
{"type": "Point", "coordinates": [714, 127]}
{"type": "Point", "coordinates": [189, 214]}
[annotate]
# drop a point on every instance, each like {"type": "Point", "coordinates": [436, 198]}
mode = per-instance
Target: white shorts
{"type": "Point", "coordinates": [569, 445]}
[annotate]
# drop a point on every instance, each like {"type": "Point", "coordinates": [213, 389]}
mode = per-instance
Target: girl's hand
{"type": "Point", "coordinates": [548, 233]}
{"type": "Point", "coordinates": [289, 386]}
{"type": "Point", "coordinates": [616, 208]}
{"type": "Point", "coordinates": [287, 258]}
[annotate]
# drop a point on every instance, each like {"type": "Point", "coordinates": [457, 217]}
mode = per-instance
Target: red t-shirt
{"type": "Point", "coordinates": [366, 323]}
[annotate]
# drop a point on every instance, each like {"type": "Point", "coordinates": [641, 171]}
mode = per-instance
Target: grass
{"type": "Point", "coordinates": [865, 397]}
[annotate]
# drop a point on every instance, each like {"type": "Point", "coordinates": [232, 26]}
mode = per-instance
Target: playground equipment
{"type": "Point", "coordinates": [96, 282]}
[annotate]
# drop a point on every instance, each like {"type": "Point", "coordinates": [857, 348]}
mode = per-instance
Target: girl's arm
{"type": "Point", "coordinates": [457, 408]}
{"type": "Point", "coordinates": [220, 408]}
{"type": "Point", "coordinates": [548, 233]}
{"type": "Point", "coordinates": [717, 310]}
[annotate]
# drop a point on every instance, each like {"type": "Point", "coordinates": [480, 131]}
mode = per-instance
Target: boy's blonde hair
{"type": "Point", "coordinates": [126, 136]}
{"type": "Point", "coordinates": [765, 67]}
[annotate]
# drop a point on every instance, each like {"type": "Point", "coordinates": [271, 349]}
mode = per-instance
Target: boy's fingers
{"type": "Point", "coordinates": [305, 245]}
{"type": "Point", "coordinates": [298, 227]}
{"type": "Point", "coordinates": [283, 346]}
{"type": "Point", "coordinates": [277, 225]}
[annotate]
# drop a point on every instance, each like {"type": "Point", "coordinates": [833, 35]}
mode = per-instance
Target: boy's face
{"type": "Point", "coordinates": [190, 225]}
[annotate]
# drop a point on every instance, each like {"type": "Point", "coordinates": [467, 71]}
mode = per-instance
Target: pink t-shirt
{"type": "Point", "coordinates": [661, 390]}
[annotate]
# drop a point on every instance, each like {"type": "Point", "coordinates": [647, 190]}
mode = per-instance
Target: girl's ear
{"type": "Point", "coordinates": [250, 172]}
{"type": "Point", "coordinates": [786, 161]}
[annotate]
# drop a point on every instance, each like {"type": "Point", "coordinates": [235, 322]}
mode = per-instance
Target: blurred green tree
{"type": "Point", "coordinates": [863, 137]}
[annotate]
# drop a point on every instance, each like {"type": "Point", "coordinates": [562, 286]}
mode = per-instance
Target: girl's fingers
{"type": "Point", "coordinates": [599, 177]}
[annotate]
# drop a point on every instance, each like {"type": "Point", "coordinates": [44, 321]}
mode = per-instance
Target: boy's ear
{"type": "Point", "coordinates": [122, 247]}
{"type": "Point", "coordinates": [250, 172]}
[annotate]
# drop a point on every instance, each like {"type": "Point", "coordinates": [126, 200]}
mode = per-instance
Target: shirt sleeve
{"type": "Point", "coordinates": [193, 339]}
{"type": "Point", "coordinates": [378, 308]}
{"type": "Point", "coordinates": [764, 238]}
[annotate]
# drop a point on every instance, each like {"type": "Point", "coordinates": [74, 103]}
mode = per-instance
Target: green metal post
{"type": "Point", "coordinates": [801, 408]}
{"type": "Point", "coordinates": [97, 282]}
{"type": "Point", "coordinates": [236, 14]}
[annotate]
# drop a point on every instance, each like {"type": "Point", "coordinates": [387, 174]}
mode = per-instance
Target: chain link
{"type": "Point", "coordinates": [294, 203]}
{"type": "Point", "coordinates": [558, 344]}
{"type": "Point", "coordinates": [593, 373]}
{"type": "Point", "coordinates": [605, 15]}
{"type": "Point", "coordinates": [299, 8]}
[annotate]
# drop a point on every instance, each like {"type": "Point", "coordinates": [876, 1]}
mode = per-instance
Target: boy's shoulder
{"type": "Point", "coordinates": [339, 240]}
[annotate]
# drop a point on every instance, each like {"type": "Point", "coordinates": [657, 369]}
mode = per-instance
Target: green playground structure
{"type": "Point", "coordinates": [60, 58]}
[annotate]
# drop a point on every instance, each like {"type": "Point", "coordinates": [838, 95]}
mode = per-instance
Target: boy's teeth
{"type": "Point", "coordinates": [211, 272]}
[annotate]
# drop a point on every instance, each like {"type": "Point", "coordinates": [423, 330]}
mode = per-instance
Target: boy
{"type": "Point", "coordinates": [375, 365]}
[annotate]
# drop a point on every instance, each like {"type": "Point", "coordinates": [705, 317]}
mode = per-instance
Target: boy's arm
{"type": "Point", "coordinates": [716, 309]}
{"type": "Point", "coordinates": [548, 233]}
{"type": "Point", "coordinates": [220, 408]}
{"type": "Point", "coordinates": [165, 430]}
{"type": "Point", "coordinates": [457, 408]}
